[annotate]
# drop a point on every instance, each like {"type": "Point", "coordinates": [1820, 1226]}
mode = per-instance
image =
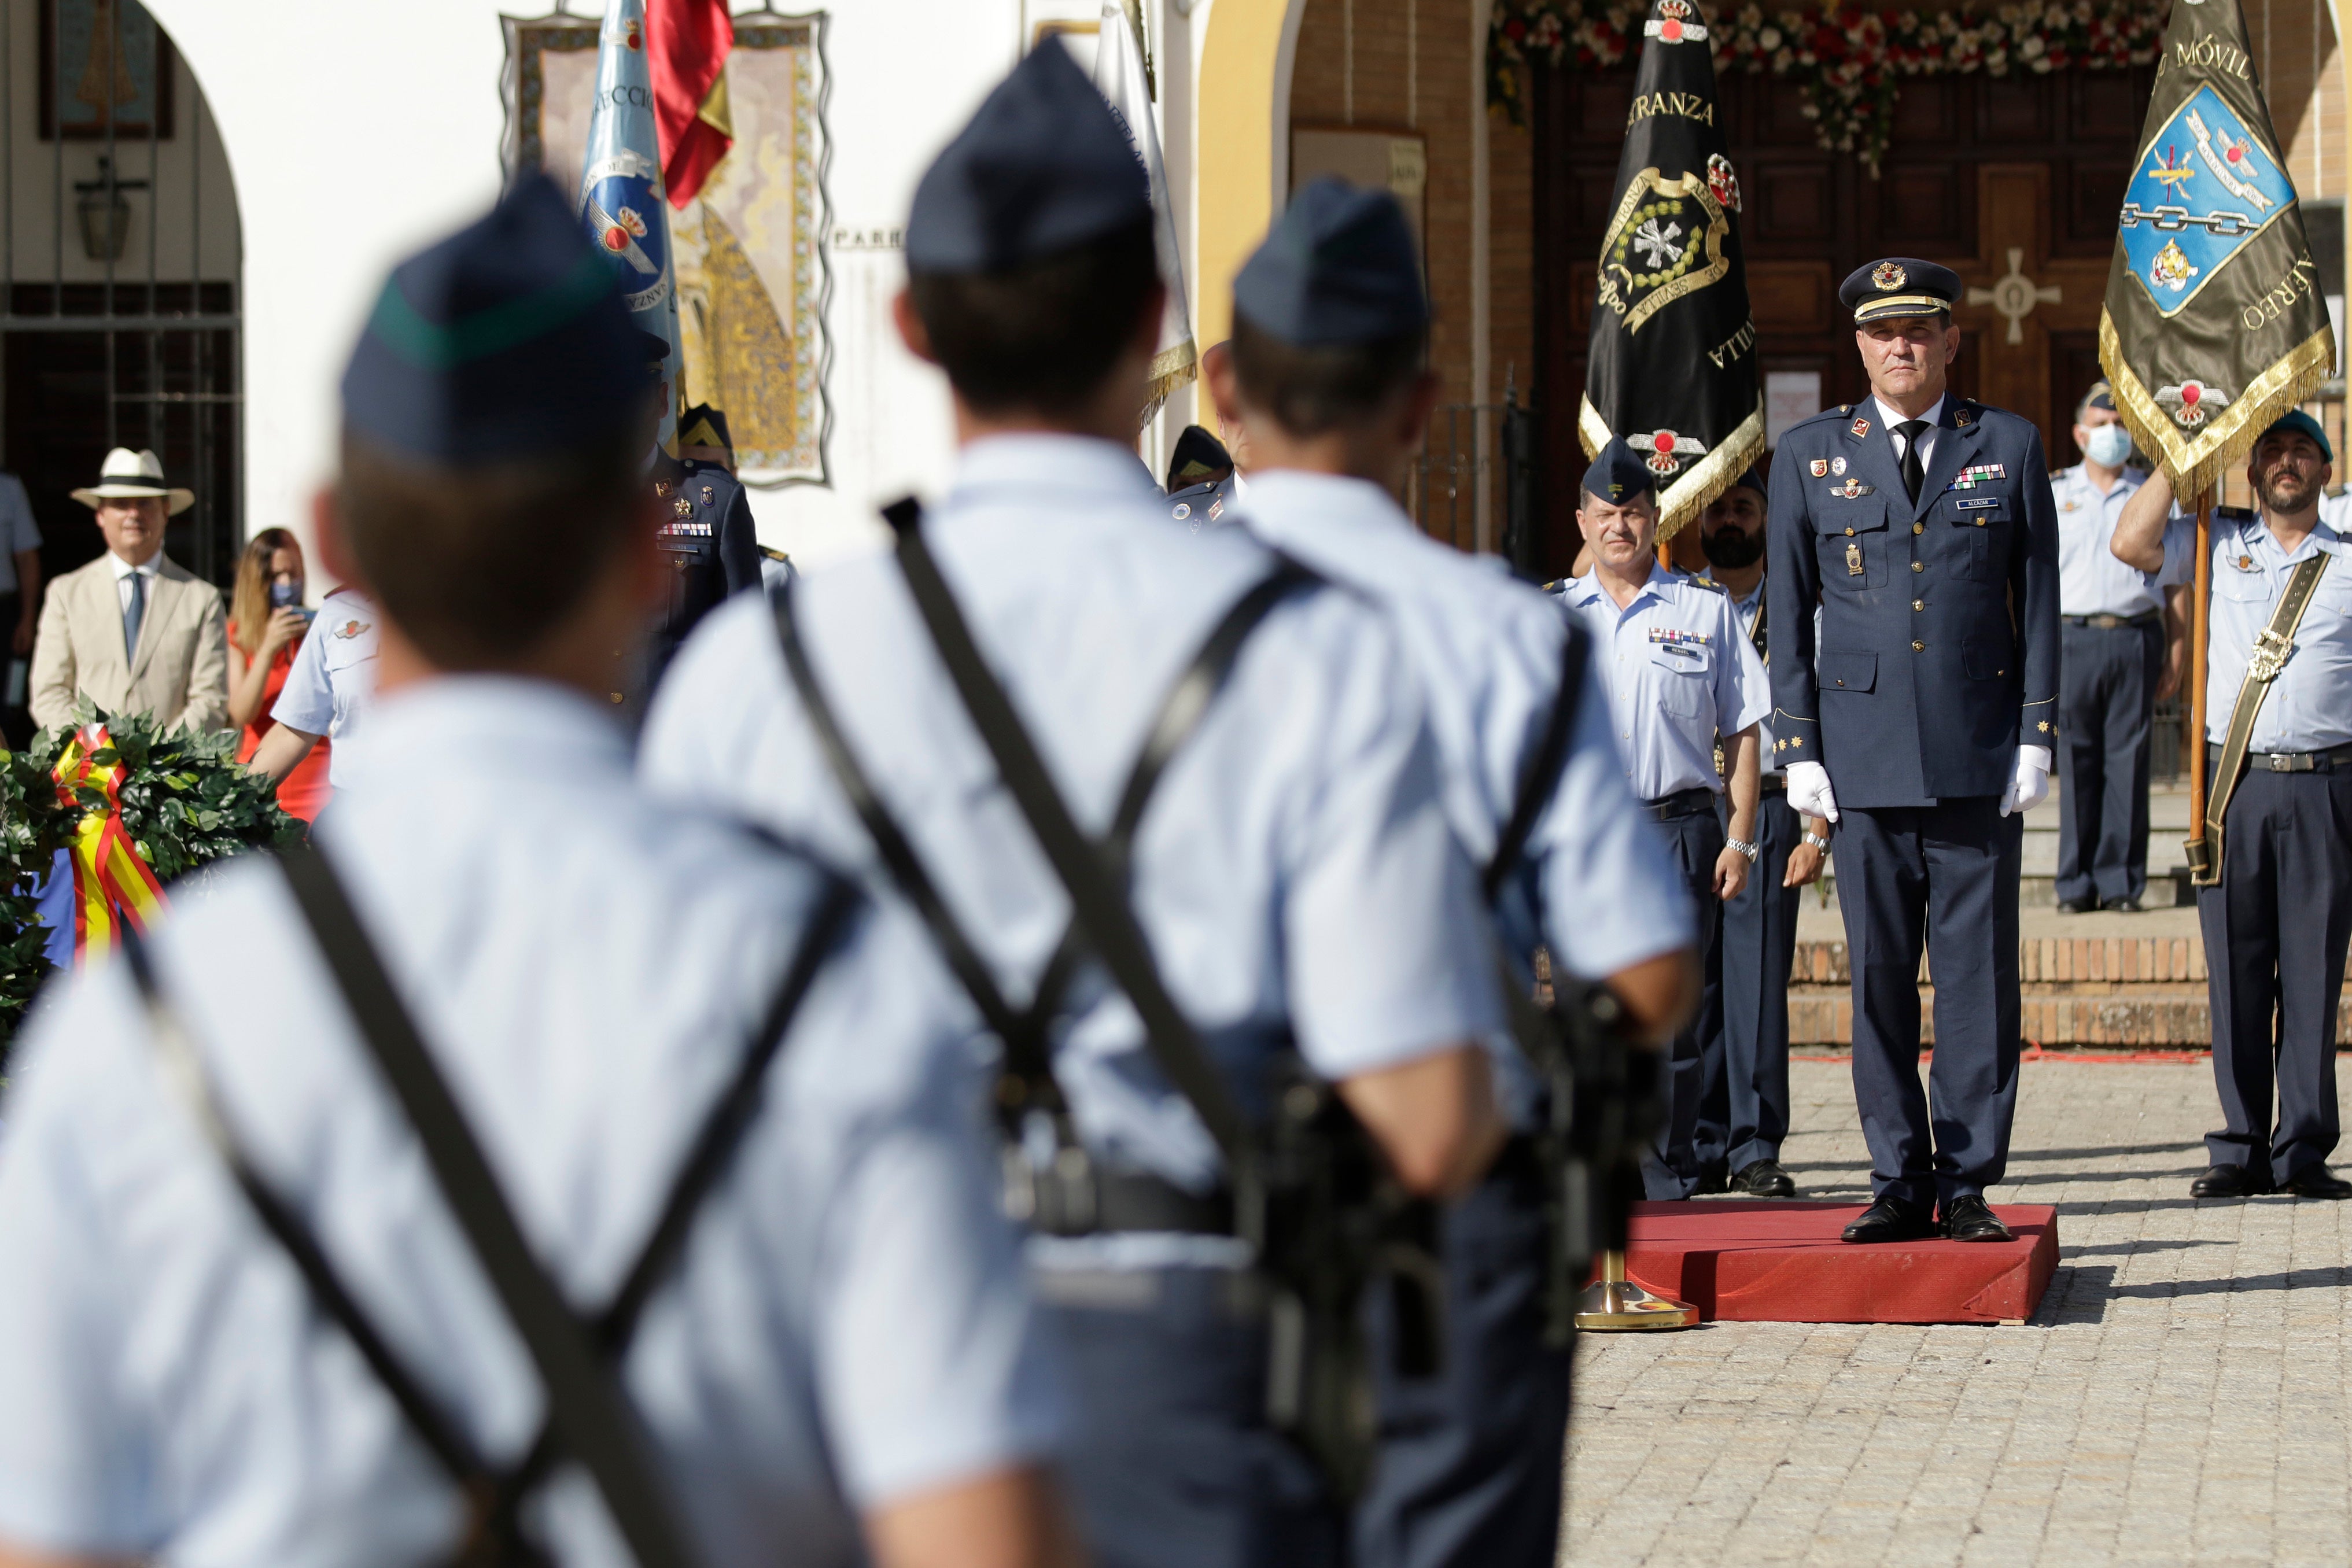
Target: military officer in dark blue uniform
{"type": "Point", "coordinates": [1200, 458]}
{"type": "Point", "coordinates": [707, 539]}
{"type": "Point", "coordinates": [1921, 722]}
{"type": "Point", "coordinates": [1209, 502]}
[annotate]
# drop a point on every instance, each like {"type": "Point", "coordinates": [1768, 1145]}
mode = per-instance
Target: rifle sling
{"type": "Point", "coordinates": [1186, 704]}
{"type": "Point", "coordinates": [495, 1495]}
{"type": "Point", "coordinates": [1540, 779]}
{"type": "Point", "coordinates": [2264, 661]}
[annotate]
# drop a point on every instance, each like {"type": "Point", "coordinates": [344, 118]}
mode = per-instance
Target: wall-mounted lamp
{"type": "Point", "coordinates": [105, 215]}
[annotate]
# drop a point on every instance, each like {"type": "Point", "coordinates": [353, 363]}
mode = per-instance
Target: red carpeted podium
{"type": "Point", "coordinates": [1781, 1262]}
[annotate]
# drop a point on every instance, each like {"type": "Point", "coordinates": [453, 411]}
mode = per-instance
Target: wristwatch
{"type": "Point", "coordinates": [1815, 839]}
{"type": "Point", "coordinates": [1753, 851]}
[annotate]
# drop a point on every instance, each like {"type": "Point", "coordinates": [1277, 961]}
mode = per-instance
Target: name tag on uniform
{"type": "Point", "coordinates": [1978, 474]}
{"type": "Point", "coordinates": [1972, 505]}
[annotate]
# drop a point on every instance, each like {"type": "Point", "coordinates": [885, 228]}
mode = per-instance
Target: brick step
{"type": "Point", "coordinates": [2048, 960]}
{"type": "Point", "coordinates": [2149, 1017]}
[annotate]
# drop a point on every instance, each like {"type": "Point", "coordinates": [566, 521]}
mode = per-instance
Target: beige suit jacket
{"type": "Point", "coordinates": [180, 673]}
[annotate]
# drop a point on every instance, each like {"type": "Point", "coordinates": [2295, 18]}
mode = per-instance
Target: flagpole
{"type": "Point", "coordinates": [2198, 628]}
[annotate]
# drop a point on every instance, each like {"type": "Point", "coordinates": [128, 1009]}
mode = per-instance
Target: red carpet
{"type": "Point", "coordinates": [1781, 1262]}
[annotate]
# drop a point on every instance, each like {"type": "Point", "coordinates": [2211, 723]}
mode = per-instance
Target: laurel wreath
{"type": "Point", "coordinates": [185, 799]}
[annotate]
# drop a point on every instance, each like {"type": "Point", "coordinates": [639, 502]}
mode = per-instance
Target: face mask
{"type": "Point", "coordinates": [1732, 548]}
{"type": "Point", "coordinates": [2109, 446]}
{"type": "Point", "coordinates": [284, 594]}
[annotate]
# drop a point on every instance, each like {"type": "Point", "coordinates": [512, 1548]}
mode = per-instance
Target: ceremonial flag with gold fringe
{"type": "Point", "coordinates": [1125, 81]}
{"type": "Point", "coordinates": [2215, 322]}
{"type": "Point", "coordinates": [1673, 361]}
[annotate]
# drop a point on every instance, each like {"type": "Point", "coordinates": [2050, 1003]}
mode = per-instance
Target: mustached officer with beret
{"type": "Point", "coordinates": [708, 541]}
{"type": "Point", "coordinates": [1920, 722]}
{"type": "Point", "coordinates": [1683, 679]}
{"type": "Point", "coordinates": [1294, 939]}
{"type": "Point", "coordinates": [299, 1274]}
{"type": "Point", "coordinates": [1326, 370]}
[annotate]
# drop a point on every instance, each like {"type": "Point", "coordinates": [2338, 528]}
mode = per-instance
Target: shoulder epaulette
{"type": "Point", "coordinates": [1706, 583]}
{"type": "Point", "coordinates": [773, 554]}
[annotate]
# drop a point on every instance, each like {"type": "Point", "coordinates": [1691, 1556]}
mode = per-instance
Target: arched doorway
{"type": "Point", "coordinates": [120, 254]}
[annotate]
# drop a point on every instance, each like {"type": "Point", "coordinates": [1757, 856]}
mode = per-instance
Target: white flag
{"type": "Point", "coordinates": [1119, 78]}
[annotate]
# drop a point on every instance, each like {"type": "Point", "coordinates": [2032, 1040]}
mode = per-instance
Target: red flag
{"type": "Point", "coordinates": [687, 44]}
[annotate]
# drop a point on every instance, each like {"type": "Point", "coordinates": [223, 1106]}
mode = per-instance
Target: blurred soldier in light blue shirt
{"type": "Point", "coordinates": [1292, 871]}
{"type": "Point", "coordinates": [1682, 678]}
{"type": "Point", "coordinates": [838, 1362]}
{"type": "Point", "coordinates": [1325, 370]}
{"type": "Point", "coordinates": [2113, 669]}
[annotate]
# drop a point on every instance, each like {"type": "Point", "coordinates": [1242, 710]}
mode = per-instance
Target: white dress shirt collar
{"type": "Point", "coordinates": [1893, 417]}
{"type": "Point", "coordinates": [123, 569]}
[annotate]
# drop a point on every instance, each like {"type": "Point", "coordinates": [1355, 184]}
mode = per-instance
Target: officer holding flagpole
{"type": "Point", "coordinates": [2212, 332]}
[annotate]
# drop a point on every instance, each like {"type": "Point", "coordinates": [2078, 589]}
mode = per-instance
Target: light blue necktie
{"type": "Point", "coordinates": [134, 612]}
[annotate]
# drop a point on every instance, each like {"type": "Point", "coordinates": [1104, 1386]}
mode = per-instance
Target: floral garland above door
{"type": "Point", "coordinates": [1847, 64]}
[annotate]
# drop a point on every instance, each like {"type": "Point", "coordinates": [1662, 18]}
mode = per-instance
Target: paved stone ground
{"type": "Point", "coordinates": [2181, 1396]}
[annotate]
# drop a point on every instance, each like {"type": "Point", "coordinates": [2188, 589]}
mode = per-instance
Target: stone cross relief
{"type": "Point", "coordinates": [2014, 294]}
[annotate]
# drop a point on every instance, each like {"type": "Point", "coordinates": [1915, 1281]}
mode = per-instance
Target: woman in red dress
{"type": "Point", "coordinates": [265, 623]}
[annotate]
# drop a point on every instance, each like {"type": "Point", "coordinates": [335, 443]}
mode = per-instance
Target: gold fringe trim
{"type": "Point", "coordinates": [2195, 465]}
{"type": "Point", "coordinates": [1688, 496]}
{"type": "Point", "coordinates": [1171, 368]}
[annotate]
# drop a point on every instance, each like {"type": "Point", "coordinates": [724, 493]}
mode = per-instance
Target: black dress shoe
{"type": "Point", "coordinates": [1970, 1219]}
{"type": "Point", "coordinates": [2127, 905]}
{"type": "Point", "coordinates": [2234, 1181]}
{"type": "Point", "coordinates": [2082, 905]}
{"type": "Point", "coordinates": [1764, 1178]}
{"type": "Point", "coordinates": [1710, 1184]}
{"type": "Point", "coordinates": [2317, 1181]}
{"type": "Point", "coordinates": [1892, 1219]}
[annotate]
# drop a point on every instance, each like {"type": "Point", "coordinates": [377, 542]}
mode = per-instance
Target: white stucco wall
{"type": "Point", "coordinates": [356, 131]}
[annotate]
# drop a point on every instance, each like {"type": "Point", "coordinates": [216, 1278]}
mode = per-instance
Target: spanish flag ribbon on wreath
{"type": "Point", "coordinates": [113, 881]}
{"type": "Point", "coordinates": [1672, 366]}
{"type": "Point", "coordinates": [2214, 323]}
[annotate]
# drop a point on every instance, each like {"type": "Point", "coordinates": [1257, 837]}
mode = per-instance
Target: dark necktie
{"type": "Point", "coordinates": [1913, 474]}
{"type": "Point", "coordinates": [134, 612]}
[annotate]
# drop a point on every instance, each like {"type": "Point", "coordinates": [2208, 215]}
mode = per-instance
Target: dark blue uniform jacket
{"type": "Point", "coordinates": [710, 545]}
{"type": "Point", "coordinates": [1938, 649]}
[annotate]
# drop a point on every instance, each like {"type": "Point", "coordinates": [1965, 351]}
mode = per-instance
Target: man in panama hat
{"type": "Point", "coordinates": [132, 631]}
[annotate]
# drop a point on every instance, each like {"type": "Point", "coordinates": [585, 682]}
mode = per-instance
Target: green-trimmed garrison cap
{"type": "Point", "coordinates": [507, 339]}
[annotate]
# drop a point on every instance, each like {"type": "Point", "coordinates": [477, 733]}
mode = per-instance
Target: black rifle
{"type": "Point", "coordinates": [1605, 1105]}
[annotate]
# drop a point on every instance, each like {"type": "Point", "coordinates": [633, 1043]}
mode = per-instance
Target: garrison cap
{"type": "Point", "coordinates": [506, 339]}
{"type": "Point", "coordinates": [1618, 475]}
{"type": "Point", "coordinates": [703, 425]}
{"type": "Point", "coordinates": [1899, 285]}
{"type": "Point", "coordinates": [2298, 423]}
{"type": "Point", "coordinates": [1042, 168]}
{"type": "Point", "coordinates": [1198, 457]}
{"type": "Point", "coordinates": [2101, 395]}
{"type": "Point", "coordinates": [1753, 480]}
{"type": "Point", "coordinates": [1338, 267]}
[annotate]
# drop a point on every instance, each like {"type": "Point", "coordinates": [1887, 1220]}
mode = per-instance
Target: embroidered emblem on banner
{"type": "Point", "coordinates": [1667, 240]}
{"type": "Point", "coordinates": [1673, 23]}
{"type": "Point", "coordinates": [2203, 190]}
{"type": "Point", "coordinates": [2190, 401]}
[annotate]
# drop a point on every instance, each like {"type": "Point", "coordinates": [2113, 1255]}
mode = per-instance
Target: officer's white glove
{"type": "Point", "coordinates": [1808, 791]}
{"type": "Point", "coordinates": [2029, 785]}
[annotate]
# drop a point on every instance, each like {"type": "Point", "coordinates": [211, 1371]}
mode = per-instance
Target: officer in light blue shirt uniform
{"type": "Point", "coordinates": [1330, 323]}
{"type": "Point", "coordinates": [841, 1348]}
{"type": "Point", "coordinates": [1292, 871]}
{"type": "Point", "coordinates": [1682, 677]}
{"type": "Point", "coordinates": [2277, 927]}
{"type": "Point", "coordinates": [2111, 672]}
{"type": "Point", "coordinates": [329, 685]}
